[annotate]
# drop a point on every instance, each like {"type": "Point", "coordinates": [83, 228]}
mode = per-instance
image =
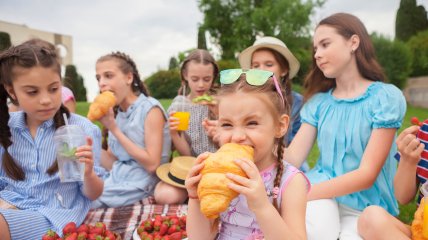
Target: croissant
{"type": "Point", "coordinates": [102, 103]}
{"type": "Point", "coordinates": [213, 192]}
{"type": "Point", "coordinates": [417, 227]}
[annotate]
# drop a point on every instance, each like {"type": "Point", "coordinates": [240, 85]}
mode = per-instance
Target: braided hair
{"type": "Point", "coordinates": [126, 65]}
{"type": "Point", "coordinates": [32, 53]}
{"type": "Point", "coordinates": [279, 107]}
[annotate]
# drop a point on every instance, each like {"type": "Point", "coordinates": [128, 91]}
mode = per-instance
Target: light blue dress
{"type": "Point", "coordinates": [128, 181]}
{"type": "Point", "coordinates": [344, 127]}
{"type": "Point", "coordinates": [44, 201]}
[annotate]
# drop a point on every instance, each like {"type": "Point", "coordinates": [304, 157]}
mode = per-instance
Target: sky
{"type": "Point", "coordinates": [152, 31]}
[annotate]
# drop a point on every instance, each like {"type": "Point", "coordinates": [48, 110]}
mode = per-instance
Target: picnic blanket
{"type": "Point", "coordinates": [124, 220]}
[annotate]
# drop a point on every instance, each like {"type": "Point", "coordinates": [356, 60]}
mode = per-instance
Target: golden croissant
{"type": "Point", "coordinates": [101, 105]}
{"type": "Point", "coordinates": [418, 223]}
{"type": "Point", "coordinates": [213, 192]}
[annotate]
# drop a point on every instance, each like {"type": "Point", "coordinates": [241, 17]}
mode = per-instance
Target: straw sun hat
{"type": "Point", "coordinates": [175, 173]}
{"type": "Point", "coordinates": [271, 43]}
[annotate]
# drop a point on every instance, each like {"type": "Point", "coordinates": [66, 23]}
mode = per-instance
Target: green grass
{"type": "Point", "coordinates": [406, 211]}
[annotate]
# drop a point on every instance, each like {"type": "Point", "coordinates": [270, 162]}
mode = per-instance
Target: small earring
{"type": "Point", "coordinates": [352, 51]}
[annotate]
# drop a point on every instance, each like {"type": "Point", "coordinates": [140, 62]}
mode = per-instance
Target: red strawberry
{"type": "Point", "coordinates": [82, 236]}
{"type": "Point", "coordinates": [173, 229]}
{"type": "Point", "coordinates": [163, 229]}
{"type": "Point", "coordinates": [415, 121]}
{"type": "Point", "coordinates": [69, 228]}
{"type": "Point", "coordinates": [158, 218]}
{"type": "Point", "coordinates": [110, 235]}
{"type": "Point", "coordinates": [147, 225]}
{"type": "Point", "coordinates": [83, 228]}
{"type": "Point", "coordinates": [50, 235]}
{"type": "Point", "coordinates": [184, 233]}
{"type": "Point", "coordinates": [165, 238]}
{"type": "Point", "coordinates": [175, 236]}
{"type": "Point", "coordinates": [72, 236]}
{"type": "Point", "coordinates": [174, 221]}
{"type": "Point", "coordinates": [93, 236]}
{"type": "Point", "coordinates": [156, 225]}
{"type": "Point", "coordinates": [99, 228]}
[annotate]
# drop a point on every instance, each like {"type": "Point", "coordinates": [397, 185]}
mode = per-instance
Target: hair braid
{"type": "Point", "coordinates": [12, 169]}
{"type": "Point", "coordinates": [137, 84]}
{"type": "Point", "coordinates": [280, 169]}
{"type": "Point", "coordinates": [58, 122]}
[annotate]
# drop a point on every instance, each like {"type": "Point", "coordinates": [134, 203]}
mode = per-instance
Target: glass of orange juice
{"type": "Point", "coordinates": [183, 118]}
{"type": "Point", "coordinates": [424, 190]}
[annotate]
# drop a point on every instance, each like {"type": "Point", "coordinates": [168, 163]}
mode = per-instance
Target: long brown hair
{"type": "Point", "coordinates": [346, 25]}
{"type": "Point", "coordinates": [126, 65]}
{"type": "Point", "coordinates": [278, 107]}
{"type": "Point", "coordinates": [198, 56]}
{"type": "Point", "coordinates": [33, 53]}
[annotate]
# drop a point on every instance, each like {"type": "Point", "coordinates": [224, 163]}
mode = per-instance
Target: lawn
{"type": "Point", "coordinates": [406, 212]}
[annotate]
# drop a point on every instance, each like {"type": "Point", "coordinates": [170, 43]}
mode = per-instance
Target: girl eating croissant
{"type": "Point", "coordinates": [138, 135]}
{"type": "Point", "coordinates": [271, 204]}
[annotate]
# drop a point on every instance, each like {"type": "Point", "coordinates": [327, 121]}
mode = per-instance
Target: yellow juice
{"type": "Point", "coordinates": [184, 120]}
{"type": "Point", "coordinates": [425, 220]}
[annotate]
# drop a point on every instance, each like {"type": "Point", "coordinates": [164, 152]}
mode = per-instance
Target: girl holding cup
{"type": "Point", "coordinates": [198, 72]}
{"type": "Point", "coordinates": [31, 194]}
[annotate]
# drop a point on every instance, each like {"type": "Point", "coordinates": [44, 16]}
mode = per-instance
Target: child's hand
{"type": "Point", "coordinates": [173, 123]}
{"type": "Point", "coordinates": [194, 175]}
{"type": "Point", "coordinates": [252, 187]}
{"type": "Point", "coordinates": [409, 146]}
{"type": "Point", "coordinates": [108, 120]}
{"type": "Point", "coordinates": [210, 127]}
{"type": "Point", "coordinates": [85, 155]}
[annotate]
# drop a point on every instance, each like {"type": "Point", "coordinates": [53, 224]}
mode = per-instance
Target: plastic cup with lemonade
{"type": "Point", "coordinates": [67, 139]}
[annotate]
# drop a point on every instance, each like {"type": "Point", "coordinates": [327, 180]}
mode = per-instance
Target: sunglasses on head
{"type": "Point", "coordinates": [254, 77]}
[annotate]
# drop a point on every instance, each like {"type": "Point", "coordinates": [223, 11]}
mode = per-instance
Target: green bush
{"type": "Point", "coordinates": [164, 83]}
{"type": "Point", "coordinates": [395, 58]}
{"type": "Point", "coordinates": [5, 42]}
{"type": "Point", "coordinates": [418, 45]}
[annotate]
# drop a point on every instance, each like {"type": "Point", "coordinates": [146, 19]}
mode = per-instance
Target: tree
{"type": "Point", "coordinates": [5, 42]}
{"type": "Point", "coordinates": [173, 63]}
{"type": "Point", "coordinates": [202, 42]}
{"type": "Point", "coordinates": [410, 20]}
{"type": "Point", "coordinates": [418, 45]}
{"type": "Point", "coordinates": [235, 24]}
{"type": "Point", "coordinates": [164, 84]}
{"type": "Point", "coordinates": [75, 82]}
{"type": "Point", "coordinates": [395, 58]}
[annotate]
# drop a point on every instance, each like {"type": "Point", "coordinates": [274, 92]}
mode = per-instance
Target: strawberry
{"type": "Point", "coordinates": [158, 218]}
{"type": "Point", "coordinates": [82, 236]}
{"type": "Point", "coordinates": [50, 235]}
{"type": "Point", "coordinates": [163, 229]}
{"type": "Point", "coordinates": [175, 236]}
{"type": "Point", "coordinates": [69, 228]}
{"type": "Point", "coordinates": [173, 229]}
{"type": "Point", "coordinates": [147, 225]}
{"type": "Point", "coordinates": [174, 221]}
{"type": "Point", "coordinates": [156, 225]}
{"type": "Point", "coordinates": [110, 235]}
{"type": "Point", "coordinates": [99, 228]}
{"type": "Point", "coordinates": [415, 121]}
{"type": "Point", "coordinates": [93, 236]}
{"type": "Point", "coordinates": [83, 228]}
{"type": "Point", "coordinates": [165, 238]}
{"type": "Point", "coordinates": [184, 233]}
{"type": "Point", "coordinates": [72, 236]}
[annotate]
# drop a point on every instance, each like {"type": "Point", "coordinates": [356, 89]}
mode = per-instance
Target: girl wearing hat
{"type": "Point", "coordinates": [271, 54]}
{"type": "Point", "coordinates": [354, 116]}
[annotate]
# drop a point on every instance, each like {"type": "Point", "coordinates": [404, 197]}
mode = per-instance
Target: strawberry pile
{"type": "Point", "coordinates": [163, 228]}
{"type": "Point", "coordinates": [83, 232]}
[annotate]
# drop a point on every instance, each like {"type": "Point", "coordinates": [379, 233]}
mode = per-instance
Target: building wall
{"type": "Point", "coordinates": [21, 33]}
{"type": "Point", "coordinates": [416, 91]}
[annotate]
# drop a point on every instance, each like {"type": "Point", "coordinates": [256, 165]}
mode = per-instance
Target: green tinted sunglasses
{"type": "Point", "coordinates": [254, 77]}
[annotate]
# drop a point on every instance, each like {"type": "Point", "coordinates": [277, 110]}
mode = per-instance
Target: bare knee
{"type": "Point", "coordinates": [372, 221]}
{"type": "Point", "coordinates": [4, 229]}
{"type": "Point", "coordinates": [168, 194]}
